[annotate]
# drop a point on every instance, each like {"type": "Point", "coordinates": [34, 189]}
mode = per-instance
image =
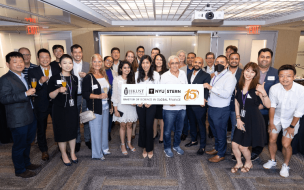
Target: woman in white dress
{"type": "Point", "coordinates": [130, 56]}
{"type": "Point", "coordinates": [125, 76]}
{"type": "Point", "coordinates": [146, 112]}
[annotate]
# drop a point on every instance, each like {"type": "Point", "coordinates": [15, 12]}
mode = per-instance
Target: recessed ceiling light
{"type": "Point", "coordinates": [156, 35]}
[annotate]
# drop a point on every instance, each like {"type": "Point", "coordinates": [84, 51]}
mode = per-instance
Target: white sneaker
{"type": "Point", "coordinates": [270, 164]}
{"type": "Point", "coordinates": [106, 152]}
{"type": "Point", "coordinates": [284, 171]}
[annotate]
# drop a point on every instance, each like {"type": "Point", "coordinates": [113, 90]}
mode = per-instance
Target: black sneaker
{"type": "Point", "coordinates": [254, 157]}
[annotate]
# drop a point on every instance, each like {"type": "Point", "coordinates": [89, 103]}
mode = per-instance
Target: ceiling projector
{"type": "Point", "coordinates": [208, 16]}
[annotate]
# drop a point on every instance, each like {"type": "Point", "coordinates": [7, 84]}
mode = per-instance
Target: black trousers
{"type": "Point", "coordinates": [197, 117]}
{"type": "Point", "coordinates": [41, 128]}
{"type": "Point", "coordinates": [146, 120]}
{"type": "Point", "coordinates": [258, 150]}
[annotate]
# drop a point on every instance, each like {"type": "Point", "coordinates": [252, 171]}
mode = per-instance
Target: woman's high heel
{"type": "Point", "coordinates": [123, 152]}
{"type": "Point", "coordinates": [133, 149]}
{"type": "Point", "coordinates": [67, 164]}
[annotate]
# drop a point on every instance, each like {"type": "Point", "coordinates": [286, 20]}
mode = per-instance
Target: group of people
{"type": "Point", "coordinates": [259, 100]}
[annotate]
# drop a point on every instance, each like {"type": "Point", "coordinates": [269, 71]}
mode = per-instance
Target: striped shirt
{"type": "Point", "coordinates": [25, 70]}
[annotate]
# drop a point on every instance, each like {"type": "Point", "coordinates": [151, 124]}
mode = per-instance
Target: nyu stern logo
{"type": "Point", "coordinates": [191, 94]}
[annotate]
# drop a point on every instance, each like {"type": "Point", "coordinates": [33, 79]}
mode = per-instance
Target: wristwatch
{"type": "Point", "coordinates": [291, 126]}
{"type": "Point", "coordinates": [238, 117]}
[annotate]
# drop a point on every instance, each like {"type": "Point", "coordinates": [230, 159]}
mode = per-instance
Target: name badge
{"type": "Point", "coordinates": [71, 102]}
{"type": "Point", "coordinates": [59, 82]}
{"type": "Point", "coordinates": [94, 86]}
{"type": "Point", "coordinates": [270, 78]}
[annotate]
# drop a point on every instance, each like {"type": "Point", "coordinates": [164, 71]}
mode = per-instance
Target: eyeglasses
{"type": "Point", "coordinates": [26, 55]}
{"type": "Point", "coordinates": [109, 61]}
{"type": "Point", "coordinates": [141, 51]}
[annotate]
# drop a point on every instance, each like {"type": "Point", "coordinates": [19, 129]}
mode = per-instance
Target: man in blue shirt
{"type": "Point", "coordinates": [27, 61]}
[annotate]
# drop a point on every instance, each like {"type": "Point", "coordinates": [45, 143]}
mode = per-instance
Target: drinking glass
{"type": "Point", "coordinates": [105, 90]}
{"type": "Point", "coordinates": [46, 72]}
{"type": "Point", "coordinates": [33, 84]}
{"type": "Point", "coordinates": [64, 83]}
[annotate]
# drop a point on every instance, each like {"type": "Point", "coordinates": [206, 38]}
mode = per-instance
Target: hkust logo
{"type": "Point", "coordinates": [191, 94]}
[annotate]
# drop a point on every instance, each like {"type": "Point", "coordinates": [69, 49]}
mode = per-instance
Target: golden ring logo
{"type": "Point", "coordinates": [191, 94]}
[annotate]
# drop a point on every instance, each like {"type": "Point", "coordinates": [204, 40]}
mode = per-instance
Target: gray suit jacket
{"type": "Point", "coordinates": [18, 107]}
{"type": "Point", "coordinates": [85, 67]}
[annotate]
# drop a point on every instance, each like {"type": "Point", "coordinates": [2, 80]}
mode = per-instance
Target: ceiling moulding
{"type": "Point", "coordinates": [7, 23]}
{"type": "Point", "coordinates": [285, 19]}
{"type": "Point", "coordinates": [78, 9]}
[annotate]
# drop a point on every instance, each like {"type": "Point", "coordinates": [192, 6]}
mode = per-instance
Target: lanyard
{"type": "Point", "coordinates": [244, 98]}
{"type": "Point", "coordinates": [218, 79]}
{"type": "Point", "coordinates": [70, 88]}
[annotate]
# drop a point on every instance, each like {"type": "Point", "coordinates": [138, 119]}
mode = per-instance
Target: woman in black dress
{"type": "Point", "coordinates": [65, 115]}
{"type": "Point", "coordinates": [160, 66]}
{"type": "Point", "coordinates": [250, 129]}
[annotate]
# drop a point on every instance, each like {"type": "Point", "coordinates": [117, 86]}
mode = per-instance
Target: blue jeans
{"type": "Point", "coordinates": [173, 118]}
{"type": "Point", "coordinates": [197, 116]}
{"type": "Point", "coordinates": [218, 119]}
{"type": "Point", "coordinates": [23, 137]}
{"type": "Point", "coordinates": [233, 123]}
{"type": "Point", "coordinates": [99, 134]}
{"type": "Point", "coordinates": [87, 135]}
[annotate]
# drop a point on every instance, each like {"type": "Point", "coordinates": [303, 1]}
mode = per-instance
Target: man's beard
{"type": "Point", "coordinates": [234, 66]}
{"type": "Point", "coordinates": [264, 66]}
{"type": "Point", "coordinates": [196, 68]}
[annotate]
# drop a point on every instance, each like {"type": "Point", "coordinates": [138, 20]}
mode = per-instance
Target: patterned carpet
{"type": "Point", "coordinates": [117, 171]}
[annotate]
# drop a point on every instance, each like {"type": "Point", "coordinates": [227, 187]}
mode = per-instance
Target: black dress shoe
{"type": "Point", "coordinates": [109, 137]}
{"type": "Point", "coordinates": [160, 142]}
{"type": "Point", "coordinates": [77, 147]}
{"type": "Point", "coordinates": [254, 157]}
{"type": "Point", "coordinates": [191, 144]}
{"type": "Point", "coordinates": [33, 167]}
{"type": "Point", "coordinates": [67, 164]}
{"type": "Point", "coordinates": [200, 151]}
{"type": "Point", "coordinates": [89, 145]}
{"type": "Point", "coordinates": [183, 137]}
{"type": "Point", "coordinates": [26, 174]}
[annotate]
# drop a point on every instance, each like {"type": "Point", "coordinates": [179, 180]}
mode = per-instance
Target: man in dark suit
{"type": "Point", "coordinates": [42, 103]}
{"type": "Point", "coordinates": [197, 113]}
{"type": "Point", "coordinates": [80, 69]}
{"type": "Point", "coordinates": [14, 94]}
{"type": "Point", "coordinates": [269, 75]}
{"type": "Point", "coordinates": [234, 61]}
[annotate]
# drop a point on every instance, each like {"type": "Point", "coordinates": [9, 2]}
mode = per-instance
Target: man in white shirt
{"type": "Point", "coordinates": [80, 69]}
{"type": "Point", "coordinates": [220, 88]}
{"type": "Point", "coordinates": [173, 115]}
{"type": "Point", "coordinates": [115, 54]}
{"type": "Point", "coordinates": [287, 107]}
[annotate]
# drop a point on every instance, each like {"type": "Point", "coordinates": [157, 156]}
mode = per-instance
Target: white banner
{"type": "Point", "coordinates": [178, 94]}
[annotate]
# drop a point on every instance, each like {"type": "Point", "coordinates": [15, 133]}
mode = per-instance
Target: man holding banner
{"type": "Point", "coordinates": [197, 113]}
{"type": "Point", "coordinates": [173, 113]}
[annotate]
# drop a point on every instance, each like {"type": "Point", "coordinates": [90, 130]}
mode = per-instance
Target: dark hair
{"type": "Point", "coordinates": [57, 46]}
{"type": "Point", "coordinates": [134, 63]}
{"type": "Point", "coordinates": [234, 48]}
{"type": "Point", "coordinates": [265, 50]}
{"type": "Point", "coordinates": [164, 65]}
{"type": "Point", "coordinates": [24, 48]}
{"type": "Point", "coordinates": [156, 49]}
{"type": "Point", "coordinates": [223, 56]}
{"type": "Point", "coordinates": [192, 53]}
{"type": "Point", "coordinates": [75, 46]}
{"type": "Point", "coordinates": [65, 56]}
{"type": "Point", "coordinates": [43, 51]}
{"type": "Point", "coordinates": [130, 77]}
{"type": "Point", "coordinates": [13, 54]}
{"type": "Point", "coordinates": [287, 67]}
{"type": "Point", "coordinates": [235, 53]}
{"type": "Point", "coordinates": [210, 53]}
{"type": "Point", "coordinates": [139, 47]}
{"type": "Point", "coordinates": [255, 79]}
{"type": "Point", "coordinates": [115, 48]}
{"type": "Point", "coordinates": [141, 72]}
{"type": "Point", "coordinates": [106, 57]}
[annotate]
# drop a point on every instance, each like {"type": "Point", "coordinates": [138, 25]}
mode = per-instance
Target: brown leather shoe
{"type": "Point", "coordinates": [33, 167]}
{"type": "Point", "coordinates": [211, 152]}
{"type": "Point", "coordinates": [45, 156]}
{"type": "Point", "coordinates": [26, 174]}
{"type": "Point", "coordinates": [216, 159]}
